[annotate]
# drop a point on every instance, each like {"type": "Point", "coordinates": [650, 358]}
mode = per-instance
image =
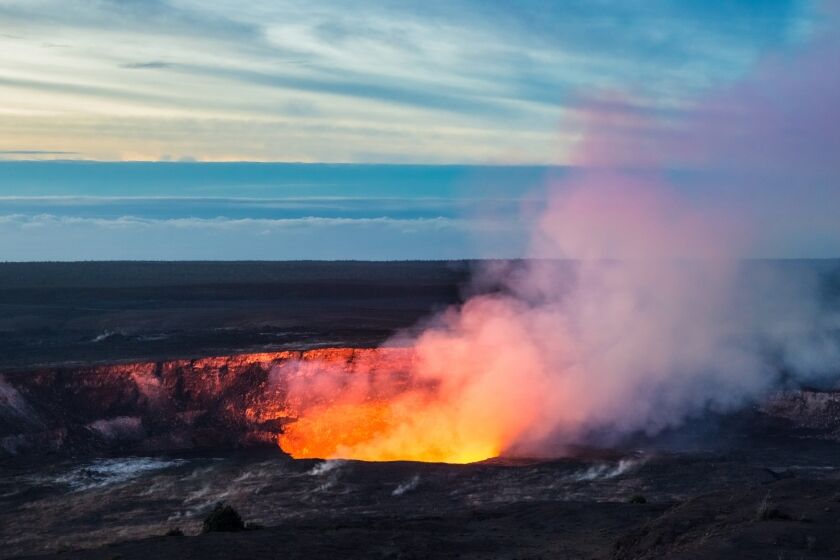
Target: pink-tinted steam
{"type": "Point", "coordinates": [627, 317]}
{"type": "Point", "coordinates": [633, 340]}
{"type": "Point", "coordinates": [646, 328]}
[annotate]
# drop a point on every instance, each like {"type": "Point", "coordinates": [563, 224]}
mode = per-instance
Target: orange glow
{"type": "Point", "coordinates": [442, 400]}
{"type": "Point", "coordinates": [326, 430]}
{"type": "Point", "coordinates": [373, 405]}
{"type": "Point", "coordinates": [383, 431]}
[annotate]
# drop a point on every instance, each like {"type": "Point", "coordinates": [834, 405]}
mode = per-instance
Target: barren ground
{"type": "Point", "coordinates": [762, 483]}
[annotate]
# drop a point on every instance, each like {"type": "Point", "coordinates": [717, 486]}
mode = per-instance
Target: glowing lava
{"type": "Point", "coordinates": [373, 406]}
{"type": "Point", "coordinates": [381, 431]}
{"type": "Point", "coordinates": [462, 393]}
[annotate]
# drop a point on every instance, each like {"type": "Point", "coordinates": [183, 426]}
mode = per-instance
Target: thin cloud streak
{"type": "Point", "coordinates": [50, 237]}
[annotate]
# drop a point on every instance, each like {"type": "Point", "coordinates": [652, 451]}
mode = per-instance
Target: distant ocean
{"type": "Point", "coordinates": [74, 210]}
{"type": "Point", "coordinates": [77, 210]}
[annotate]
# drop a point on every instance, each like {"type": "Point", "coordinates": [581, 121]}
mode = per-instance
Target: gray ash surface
{"type": "Point", "coordinates": [697, 505]}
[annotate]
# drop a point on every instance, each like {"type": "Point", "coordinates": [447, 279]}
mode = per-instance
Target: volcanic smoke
{"type": "Point", "coordinates": [620, 339]}
{"type": "Point", "coordinates": [640, 331]}
{"type": "Point", "coordinates": [631, 315]}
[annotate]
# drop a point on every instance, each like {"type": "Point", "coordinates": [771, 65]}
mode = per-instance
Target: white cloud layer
{"type": "Point", "coordinates": [53, 238]}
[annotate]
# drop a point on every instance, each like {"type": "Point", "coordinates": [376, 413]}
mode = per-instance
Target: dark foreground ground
{"type": "Point", "coordinates": [758, 484]}
{"type": "Point", "coordinates": [781, 500]}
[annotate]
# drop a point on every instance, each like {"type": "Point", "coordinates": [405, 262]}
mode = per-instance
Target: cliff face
{"type": "Point", "coordinates": [231, 401]}
{"type": "Point", "coordinates": [809, 409]}
{"type": "Point", "coordinates": [215, 402]}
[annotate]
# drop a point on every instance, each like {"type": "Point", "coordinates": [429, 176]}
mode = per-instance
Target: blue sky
{"type": "Point", "coordinates": [454, 114]}
{"type": "Point", "coordinates": [438, 81]}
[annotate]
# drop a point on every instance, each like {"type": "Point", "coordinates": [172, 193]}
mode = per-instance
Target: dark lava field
{"type": "Point", "coordinates": [88, 470]}
{"type": "Point", "coordinates": [105, 312]}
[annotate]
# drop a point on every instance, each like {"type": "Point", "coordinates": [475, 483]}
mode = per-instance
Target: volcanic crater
{"type": "Point", "coordinates": [114, 458]}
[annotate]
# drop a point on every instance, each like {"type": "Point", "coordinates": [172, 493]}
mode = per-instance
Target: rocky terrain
{"type": "Point", "coordinates": [100, 454]}
{"type": "Point", "coordinates": [135, 398]}
{"type": "Point", "coordinates": [227, 402]}
{"type": "Point", "coordinates": [209, 403]}
{"type": "Point", "coordinates": [777, 498]}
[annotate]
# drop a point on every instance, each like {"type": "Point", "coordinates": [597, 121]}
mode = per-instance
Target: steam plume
{"type": "Point", "coordinates": [634, 313]}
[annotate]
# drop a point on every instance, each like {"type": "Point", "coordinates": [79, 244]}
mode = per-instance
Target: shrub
{"type": "Point", "coordinates": [774, 513]}
{"type": "Point", "coordinates": [637, 500]}
{"type": "Point", "coordinates": [223, 518]}
{"type": "Point", "coordinates": [766, 512]}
